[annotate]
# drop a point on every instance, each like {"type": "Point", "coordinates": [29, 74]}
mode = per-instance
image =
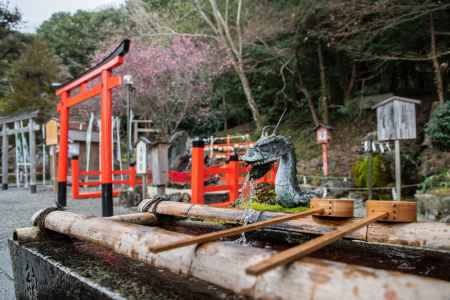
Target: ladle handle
{"type": "Point", "coordinates": [304, 249]}
{"type": "Point", "coordinates": [232, 231]}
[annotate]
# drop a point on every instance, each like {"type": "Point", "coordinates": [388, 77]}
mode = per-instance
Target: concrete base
{"type": "Point", "coordinates": [76, 270]}
{"type": "Point", "coordinates": [433, 208]}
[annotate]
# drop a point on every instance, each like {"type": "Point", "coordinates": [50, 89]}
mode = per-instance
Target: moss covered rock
{"type": "Point", "coordinates": [380, 171]}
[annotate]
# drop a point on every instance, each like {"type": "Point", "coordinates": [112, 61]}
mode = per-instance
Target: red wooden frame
{"type": "Point", "coordinates": [69, 98]}
{"type": "Point", "coordinates": [233, 172]}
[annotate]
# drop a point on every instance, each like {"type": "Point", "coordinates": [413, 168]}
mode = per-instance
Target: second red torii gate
{"type": "Point", "coordinates": [76, 92]}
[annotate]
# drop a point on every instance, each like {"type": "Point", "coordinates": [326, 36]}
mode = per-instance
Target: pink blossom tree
{"type": "Point", "coordinates": [171, 81]}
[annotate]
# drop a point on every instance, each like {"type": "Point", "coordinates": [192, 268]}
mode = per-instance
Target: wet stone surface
{"type": "Point", "coordinates": [118, 274]}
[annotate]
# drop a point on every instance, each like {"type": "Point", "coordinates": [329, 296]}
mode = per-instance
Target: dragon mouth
{"type": "Point", "coordinates": [260, 168]}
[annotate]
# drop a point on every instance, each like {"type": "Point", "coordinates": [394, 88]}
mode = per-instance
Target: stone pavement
{"type": "Point", "coordinates": [16, 208]}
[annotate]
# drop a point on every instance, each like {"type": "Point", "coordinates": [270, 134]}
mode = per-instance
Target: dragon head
{"type": "Point", "coordinates": [266, 151]}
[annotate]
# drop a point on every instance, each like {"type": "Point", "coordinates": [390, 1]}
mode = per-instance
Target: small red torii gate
{"type": "Point", "coordinates": [69, 98]}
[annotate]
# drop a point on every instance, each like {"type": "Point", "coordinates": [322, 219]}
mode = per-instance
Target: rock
{"type": "Point", "coordinates": [179, 146]}
{"type": "Point", "coordinates": [432, 207]}
{"type": "Point", "coordinates": [433, 162]}
{"type": "Point", "coordinates": [180, 197]}
{"type": "Point", "coordinates": [336, 188]}
{"type": "Point", "coordinates": [359, 207]}
{"type": "Point", "coordinates": [130, 198]}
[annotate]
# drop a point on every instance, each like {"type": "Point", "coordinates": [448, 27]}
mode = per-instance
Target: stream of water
{"type": "Point", "coordinates": [248, 193]}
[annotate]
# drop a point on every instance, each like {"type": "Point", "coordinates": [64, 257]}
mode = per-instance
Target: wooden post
{"type": "Point", "coordinates": [32, 137]}
{"type": "Point", "coordinates": [232, 178]}
{"type": "Point", "coordinates": [5, 158]}
{"type": "Point", "coordinates": [325, 159]}
{"type": "Point", "coordinates": [63, 151]}
{"type": "Point", "coordinates": [369, 174]}
{"type": "Point", "coordinates": [16, 146]}
{"type": "Point", "coordinates": [369, 168]}
{"type": "Point", "coordinates": [75, 177]}
{"type": "Point", "coordinates": [53, 169]}
{"type": "Point", "coordinates": [160, 167]}
{"type": "Point", "coordinates": [198, 172]}
{"type": "Point", "coordinates": [106, 144]}
{"type": "Point", "coordinates": [44, 158]}
{"type": "Point", "coordinates": [132, 176]}
{"type": "Point", "coordinates": [398, 171]}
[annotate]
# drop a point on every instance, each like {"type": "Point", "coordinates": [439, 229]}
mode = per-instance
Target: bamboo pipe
{"type": "Point", "coordinates": [27, 234]}
{"type": "Point", "coordinates": [34, 233]}
{"type": "Point", "coordinates": [144, 218]}
{"type": "Point", "coordinates": [302, 250]}
{"type": "Point", "coordinates": [429, 235]}
{"type": "Point", "coordinates": [213, 236]}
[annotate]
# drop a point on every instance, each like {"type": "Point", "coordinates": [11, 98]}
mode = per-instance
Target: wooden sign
{"type": "Point", "coordinates": [396, 119]}
{"type": "Point", "coordinates": [51, 133]}
{"type": "Point", "coordinates": [141, 157]}
{"type": "Point", "coordinates": [160, 164]}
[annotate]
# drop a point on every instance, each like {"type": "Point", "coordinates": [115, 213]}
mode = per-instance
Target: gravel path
{"type": "Point", "coordinates": [16, 208]}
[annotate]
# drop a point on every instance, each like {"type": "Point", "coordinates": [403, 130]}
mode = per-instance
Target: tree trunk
{"type": "Point", "coordinates": [248, 94]}
{"type": "Point", "coordinates": [303, 90]}
{"type": "Point", "coordinates": [351, 84]}
{"type": "Point", "coordinates": [436, 67]}
{"type": "Point", "coordinates": [311, 107]}
{"type": "Point", "coordinates": [323, 86]}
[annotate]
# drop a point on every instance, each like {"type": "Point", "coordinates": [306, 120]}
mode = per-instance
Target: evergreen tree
{"type": "Point", "coordinates": [29, 79]}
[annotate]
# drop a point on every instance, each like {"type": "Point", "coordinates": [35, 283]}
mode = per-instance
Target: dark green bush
{"type": "Point", "coordinates": [438, 128]}
{"type": "Point", "coordinates": [380, 172]}
{"type": "Point", "coordinates": [440, 180]}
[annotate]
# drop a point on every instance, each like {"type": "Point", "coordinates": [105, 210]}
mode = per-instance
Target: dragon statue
{"type": "Point", "coordinates": [266, 151]}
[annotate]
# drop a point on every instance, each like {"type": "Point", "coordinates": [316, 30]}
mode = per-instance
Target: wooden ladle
{"type": "Point", "coordinates": [388, 211]}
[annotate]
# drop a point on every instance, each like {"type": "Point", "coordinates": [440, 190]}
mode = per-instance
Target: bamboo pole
{"type": "Point", "coordinates": [136, 218]}
{"type": "Point", "coordinates": [213, 236]}
{"type": "Point", "coordinates": [224, 264]}
{"type": "Point", "coordinates": [302, 250]}
{"type": "Point", "coordinates": [27, 234]}
{"type": "Point", "coordinates": [5, 158]}
{"type": "Point", "coordinates": [428, 235]}
{"type": "Point", "coordinates": [32, 138]}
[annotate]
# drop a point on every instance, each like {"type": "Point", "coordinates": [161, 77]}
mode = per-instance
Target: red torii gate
{"type": "Point", "coordinates": [69, 98]}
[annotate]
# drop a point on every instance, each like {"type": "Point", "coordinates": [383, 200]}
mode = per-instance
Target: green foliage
{"type": "Point", "coordinates": [437, 181]}
{"type": "Point", "coordinates": [9, 18]}
{"type": "Point", "coordinates": [76, 37]}
{"type": "Point", "coordinates": [438, 128]}
{"type": "Point", "coordinates": [29, 79]}
{"type": "Point", "coordinates": [380, 172]}
{"type": "Point", "coordinates": [276, 208]}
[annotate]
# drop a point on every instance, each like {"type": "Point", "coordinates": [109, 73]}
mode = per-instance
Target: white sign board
{"type": "Point", "coordinates": [141, 158]}
{"type": "Point", "coordinates": [396, 119]}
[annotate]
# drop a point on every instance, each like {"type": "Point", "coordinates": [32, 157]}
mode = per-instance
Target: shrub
{"type": "Point", "coordinates": [380, 172]}
{"type": "Point", "coordinates": [438, 128]}
{"type": "Point", "coordinates": [437, 181]}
